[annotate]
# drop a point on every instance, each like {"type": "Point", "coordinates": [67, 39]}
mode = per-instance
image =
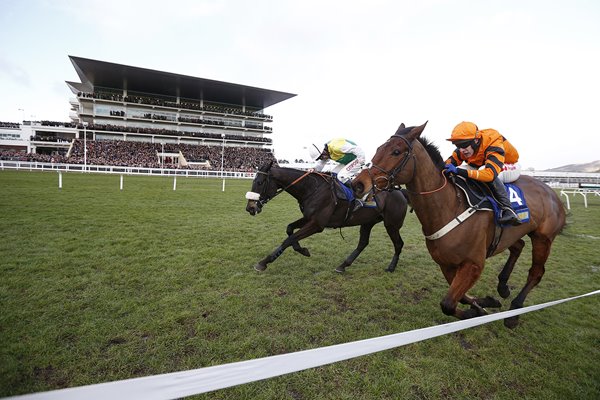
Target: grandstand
{"type": "Point", "coordinates": [166, 120]}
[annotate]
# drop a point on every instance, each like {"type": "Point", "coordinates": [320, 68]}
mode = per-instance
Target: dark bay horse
{"type": "Point", "coordinates": [406, 158]}
{"type": "Point", "coordinates": [322, 209]}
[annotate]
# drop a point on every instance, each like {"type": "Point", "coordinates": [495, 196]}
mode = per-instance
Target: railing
{"type": "Point", "coordinates": [111, 169]}
{"type": "Point", "coordinates": [560, 180]}
{"type": "Point", "coordinates": [580, 191]}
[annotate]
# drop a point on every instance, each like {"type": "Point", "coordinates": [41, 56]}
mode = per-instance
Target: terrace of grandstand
{"type": "Point", "coordinates": [135, 116]}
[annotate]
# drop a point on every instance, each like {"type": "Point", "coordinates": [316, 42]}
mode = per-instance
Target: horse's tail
{"type": "Point", "coordinates": [566, 225]}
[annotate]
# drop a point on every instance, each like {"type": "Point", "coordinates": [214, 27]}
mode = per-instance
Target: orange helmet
{"type": "Point", "coordinates": [464, 131]}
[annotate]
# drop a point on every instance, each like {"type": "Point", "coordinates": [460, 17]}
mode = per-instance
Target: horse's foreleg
{"type": "Point", "coordinates": [515, 252]}
{"type": "Point", "coordinates": [307, 230]}
{"type": "Point", "coordinates": [475, 302]}
{"type": "Point", "coordinates": [290, 231]}
{"type": "Point", "coordinates": [461, 280]}
{"type": "Point", "coordinates": [540, 252]}
{"type": "Point", "coordinates": [363, 241]}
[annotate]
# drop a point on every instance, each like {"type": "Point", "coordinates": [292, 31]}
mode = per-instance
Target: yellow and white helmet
{"type": "Point", "coordinates": [314, 152]}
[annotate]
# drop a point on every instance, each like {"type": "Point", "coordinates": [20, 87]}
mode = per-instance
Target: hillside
{"type": "Point", "coordinates": [593, 166]}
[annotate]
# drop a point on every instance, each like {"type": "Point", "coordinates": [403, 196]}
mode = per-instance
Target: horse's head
{"type": "Point", "coordinates": [263, 189]}
{"type": "Point", "coordinates": [392, 163]}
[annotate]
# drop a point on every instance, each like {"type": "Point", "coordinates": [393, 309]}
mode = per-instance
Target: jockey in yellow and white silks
{"type": "Point", "coordinates": [342, 157]}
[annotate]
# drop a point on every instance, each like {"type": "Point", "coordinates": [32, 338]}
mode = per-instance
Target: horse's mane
{"type": "Point", "coordinates": [433, 151]}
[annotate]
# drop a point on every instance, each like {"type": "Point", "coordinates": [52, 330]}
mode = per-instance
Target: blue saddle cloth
{"type": "Point", "coordinates": [517, 201]}
{"type": "Point", "coordinates": [348, 194]}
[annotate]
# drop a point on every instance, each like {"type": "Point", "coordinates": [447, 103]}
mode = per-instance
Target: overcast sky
{"type": "Point", "coordinates": [530, 69]}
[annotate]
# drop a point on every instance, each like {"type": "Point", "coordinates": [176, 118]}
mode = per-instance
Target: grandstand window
{"type": "Point", "coordinates": [230, 122]}
{"type": "Point", "coordinates": [163, 116]}
{"type": "Point", "coordinates": [107, 136]}
{"type": "Point", "coordinates": [141, 139]}
{"type": "Point", "coordinates": [137, 112]}
{"type": "Point", "coordinates": [100, 109]}
{"type": "Point", "coordinates": [10, 136]}
{"type": "Point", "coordinates": [193, 129]}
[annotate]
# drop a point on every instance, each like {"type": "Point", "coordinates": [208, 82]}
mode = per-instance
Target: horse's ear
{"type": "Point", "coordinates": [416, 131]}
{"type": "Point", "coordinates": [400, 128]}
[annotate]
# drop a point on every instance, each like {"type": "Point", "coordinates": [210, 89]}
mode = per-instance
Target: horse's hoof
{"type": "Point", "coordinates": [480, 311]}
{"type": "Point", "coordinates": [390, 269]}
{"type": "Point", "coordinates": [511, 322]}
{"type": "Point", "coordinates": [340, 269]}
{"type": "Point", "coordinates": [260, 267]}
{"type": "Point", "coordinates": [489, 302]}
{"type": "Point", "coordinates": [304, 251]}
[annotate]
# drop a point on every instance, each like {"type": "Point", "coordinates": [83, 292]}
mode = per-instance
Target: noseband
{"type": "Point", "coordinates": [262, 196]}
{"type": "Point", "coordinates": [391, 174]}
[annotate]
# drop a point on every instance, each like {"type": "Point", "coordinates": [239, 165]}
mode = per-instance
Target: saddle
{"type": "Point", "coordinates": [479, 196]}
{"type": "Point", "coordinates": [343, 192]}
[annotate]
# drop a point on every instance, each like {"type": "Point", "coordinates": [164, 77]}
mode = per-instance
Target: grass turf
{"type": "Point", "coordinates": [99, 284]}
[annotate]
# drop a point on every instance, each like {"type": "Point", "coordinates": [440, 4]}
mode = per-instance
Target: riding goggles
{"type": "Point", "coordinates": [463, 144]}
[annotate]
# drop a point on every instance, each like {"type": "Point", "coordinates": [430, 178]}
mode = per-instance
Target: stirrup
{"type": "Point", "coordinates": [358, 204]}
{"type": "Point", "coordinates": [509, 217]}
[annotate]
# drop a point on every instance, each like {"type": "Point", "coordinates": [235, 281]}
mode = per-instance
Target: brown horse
{"type": "Point", "coordinates": [322, 209]}
{"type": "Point", "coordinates": [406, 158]}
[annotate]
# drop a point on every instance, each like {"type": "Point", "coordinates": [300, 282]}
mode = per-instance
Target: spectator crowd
{"type": "Point", "coordinates": [147, 155]}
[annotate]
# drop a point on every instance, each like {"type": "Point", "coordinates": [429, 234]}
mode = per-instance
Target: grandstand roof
{"type": "Point", "coordinates": [94, 73]}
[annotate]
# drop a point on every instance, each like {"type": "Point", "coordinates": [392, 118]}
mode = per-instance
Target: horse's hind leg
{"type": "Point", "coordinates": [394, 234]}
{"type": "Point", "coordinates": [541, 250]}
{"type": "Point", "coordinates": [290, 231]}
{"type": "Point", "coordinates": [515, 252]}
{"type": "Point", "coordinates": [365, 234]}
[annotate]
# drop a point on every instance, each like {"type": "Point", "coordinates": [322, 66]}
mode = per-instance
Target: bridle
{"type": "Point", "coordinates": [264, 198]}
{"type": "Point", "coordinates": [391, 174]}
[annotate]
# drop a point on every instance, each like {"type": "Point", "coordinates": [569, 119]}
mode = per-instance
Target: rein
{"type": "Point", "coordinates": [391, 175]}
{"type": "Point", "coordinates": [279, 191]}
{"type": "Point", "coordinates": [434, 190]}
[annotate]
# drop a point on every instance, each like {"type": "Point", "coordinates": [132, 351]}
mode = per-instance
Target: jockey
{"type": "Point", "coordinates": [484, 148]}
{"type": "Point", "coordinates": [341, 157]}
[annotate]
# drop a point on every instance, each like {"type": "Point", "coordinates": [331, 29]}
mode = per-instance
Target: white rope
{"type": "Point", "coordinates": [187, 383]}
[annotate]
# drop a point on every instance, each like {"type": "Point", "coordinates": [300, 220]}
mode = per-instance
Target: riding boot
{"type": "Point", "coordinates": [507, 216]}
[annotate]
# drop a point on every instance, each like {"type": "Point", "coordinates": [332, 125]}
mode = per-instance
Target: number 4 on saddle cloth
{"type": "Point", "coordinates": [479, 196]}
